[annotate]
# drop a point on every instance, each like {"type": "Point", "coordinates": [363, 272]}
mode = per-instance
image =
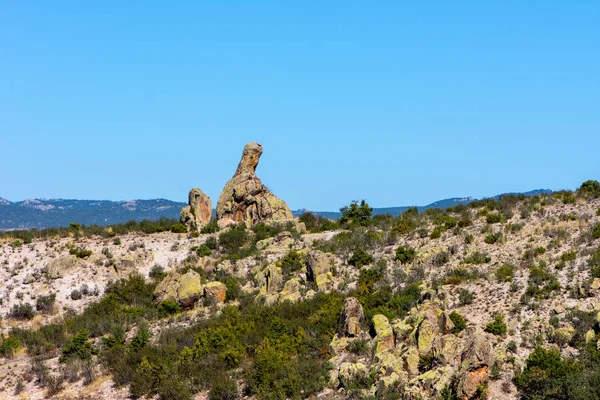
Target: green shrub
{"type": "Point", "coordinates": [405, 254]}
{"type": "Point", "coordinates": [168, 307]}
{"type": "Point", "coordinates": [465, 297]}
{"type": "Point", "coordinates": [493, 218]}
{"type": "Point", "coordinates": [567, 256]}
{"type": "Point", "coordinates": [594, 263]}
{"type": "Point", "coordinates": [497, 326]}
{"type": "Point", "coordinates": [493, 238]}
{"type": "Point", "coordinates": [360, 258]}
{"type": "Point", "coordinates": [505, 273]}
{"type": "Point", "coordinates": [590, 188]}
{"type": "Point", "coordinates": [202, 251]}
{"type": "Point", "coordinates": [211, 227]}
{"type": "Point", "coordinates": [436, 233]}
{"type": "Point", "coordinates": [223, 388]}
{"type": "Point", "coordinates": [548, 376]}
{"type": "Point", "coordinates": [16, 243]}
{"type": "Point", "coordinates": [178, 228]}
{"type": "Point", "coordinates": [445, 222]}
{"type": "Point", "coordinates": [596, 231]}
{"type": "Point", "coordinates": [460, 275]}
{"type": "Point", "coordinates": [355, 214]}
{"type": "Point", "coordinates": [9, 345]}
{"type": "Point", "coordinates": [117, 241]}
{"type": "Point", "coordinates": [76, 294]}
{"type": "Point", "coordinates": [358, 346]}
{"type": "Point", "coordinates": [79, 347]}
{"type": "Point", "coordinates": [292, 262]}
{"type": "Point", "coordinates": [44, 303]}
{"type": "Point", "coordinates": [440, 258]}
{"type": "Point", "coordinates": [477, 258]}
{"type": "Point", "coordinates": [459, 321]}
{"type": "Point", "coordinates": [157, 272]}
{"type": "Point", "coordinates": [235, 242]}
{"type": "Point", "coordinates": [80, 253]}
{"type": "Point", "coordinates": [22, 311]}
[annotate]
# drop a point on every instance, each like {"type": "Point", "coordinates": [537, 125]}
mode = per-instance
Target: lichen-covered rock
{"type": "Point", "coordinates": [474, 369]}
{"type": "Point", "coordinates": [291, 291]}
{"type": "Point", "coordinates": [198, 212]}
{"type": "Point", "coordinates": [318, 264]}
{"type": "Point", "coordinates": [186, 289]}
{"type": "Point", "coordinates": [590, 336]}
{"type": "Point", "coordinates": [351, 372]}
{"type": "Point", "coordinates": [411, 361]}
{"type": "Point", "coordinates": [426, 334]}
{"type": "Point", "coordinates": [401, 329]}
{"type": "Point", "coordinates": [269, 280]}
{"type": "Point", "coordinates": [215, 292]}
{"type": "Point", "coordinates": [245, 199]}
{"type": "Point", "coordinates": [56, 269]}
{"type": "Point", "coordinates": [385, 334]}
{"type": "Point", "coordinates": [352, 318]}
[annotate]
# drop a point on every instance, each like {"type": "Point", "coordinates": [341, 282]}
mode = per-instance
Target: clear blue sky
{"type": "Point", "coordinates": [395, 102]}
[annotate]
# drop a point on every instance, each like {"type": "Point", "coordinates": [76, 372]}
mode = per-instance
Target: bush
{"type": "Point", "coordinates": [292, 262]}
{"type": "Point", "coordinates": [223, 388]}
{"type": "Point", "coordinates": [202, 251]}
{"type": "Point", "coordinates": [405, 254]}
{"type": "Point", "coordinates": [465, 297]}
{"type": "Point", "coordinates": [211, 243]}
{"type": "Point", "coordinates": [360, 258]}
{"type": "Point", "coordinates": [44, 303]}
{"type": "Point", "coordinates": [477, 258]}
{"type": "Point", "coordinates": [157, 272]}
{"type": "Point", "coordinates": [178, 228]}
{"type": "Point", "coordinates": [436, 233]}
{"type": "Point", "coordinates": [168, 307]}
{"type": "Point", "coordinates": [493, 218]}
{"type": "Point", "coordinates": [358, 347]}
{"type": "Point", "coordinates": [459, 322]}
{"type": "Point", "coordinates": [590, 188]}
{"type": "Point", "coordinates": [596, 231]}
{"type": "Point", "coordinates": [16, 243]}
{"type": "Point", "coordinates": [235, 242]}
{"type": "Point", "coordinates": [9, 345]}
{"type": "Point", "coordinates": [445, 222]}
{"type": "Point", "coordinates": [567, 256]}
{"type": "Point", "coordinates": [505, 273]}
{"type": "Point", "coordinates": [459, 275]}
{"type": "Point", "coordinates": [594, 263]}
{"type": "Point", "coordinates": [440, 258]}
{"type": "Point", "coordinates": [355, 214]}
{"type": "Point", "coordinates": [76, 295]}
{"type": "Point", "coordinates": [22, 311]}
{"type": "Point", "coordinates": [497, 326]}
{"type": "Point", "coordinates": [79, 347]}
{"type": "Point", "coordinates": [80, 253]}
{"type": "Point", "coordinates": [548, 376]}
{"type": "Point", "coordinates": [493, 238]}
{"type": "Point", "coordinates": [211, 227]}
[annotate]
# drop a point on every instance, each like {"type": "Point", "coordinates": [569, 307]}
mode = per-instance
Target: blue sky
{"type": "Point", "coordinates": [395, 102]}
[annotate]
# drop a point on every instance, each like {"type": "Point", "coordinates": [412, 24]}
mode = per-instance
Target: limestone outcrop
{"type": "Point", "coordinates": [352, 318]}
{"type": "Point", "coordinates": [198, 212]}
{"type": "Point", "coordinates": [245, 199]}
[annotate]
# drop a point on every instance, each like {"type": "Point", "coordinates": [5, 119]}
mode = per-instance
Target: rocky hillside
{"type": "Point", "coordinates": [498, 299]}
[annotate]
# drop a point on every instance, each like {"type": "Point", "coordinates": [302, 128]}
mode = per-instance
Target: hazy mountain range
{"type": "Point", "coordinates": [46, 213]}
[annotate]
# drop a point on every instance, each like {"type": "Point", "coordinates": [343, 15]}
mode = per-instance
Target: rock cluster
{"type": "Point", "coordinates": [245, 199]}
{"type": "Point", "coordinates": [187, 289]}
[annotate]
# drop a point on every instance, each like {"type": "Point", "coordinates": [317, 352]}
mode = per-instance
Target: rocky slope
{"type": "Point", "coordinates": [427, 305]}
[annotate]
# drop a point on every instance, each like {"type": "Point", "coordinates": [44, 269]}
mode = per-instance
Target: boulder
{"type": "Point", "coordinates": [426, 334]}
{"type": "Point", "coordinates": [269, 280]}
{"type": "Point", "coordinates": [352, 372]}
{"type": "Point", "coordinates": [29, 279]}
{"type": "Point", "coordinates": [318, 263]}
{"type": "Point", "coordinates": [291, 291]}
{"type": "Point", "coordinates": [198, 212]}
{"type": "Point", "coordinates": [385, 334]}
{"type": "Point", "coordinates": [474, 370]}
{"type": "Point", "coordinates": [215, 292]}
{"type": "Point", "coordinates": [186, 289]}
{"type": "Point", "coordinates": [245, 199]}
{"type": "Point", "coordinates": [56, 269]}
{"type": "Point", "coordinates": [352, 318]}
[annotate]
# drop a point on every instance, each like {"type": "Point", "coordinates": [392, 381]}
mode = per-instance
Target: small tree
{"type": "Point", "coordinates": [356, 214]}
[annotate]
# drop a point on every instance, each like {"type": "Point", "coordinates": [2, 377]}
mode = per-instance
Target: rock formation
{"type": "Point", "coordinates": [198, 212]}
{"type": "Point", "coordinates": [245, 199]}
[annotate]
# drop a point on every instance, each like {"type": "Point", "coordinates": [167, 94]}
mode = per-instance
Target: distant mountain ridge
{"type": "Point", "coordinates": [443, 204]}
{"type": "Point", "coordinates": [47, 213]}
